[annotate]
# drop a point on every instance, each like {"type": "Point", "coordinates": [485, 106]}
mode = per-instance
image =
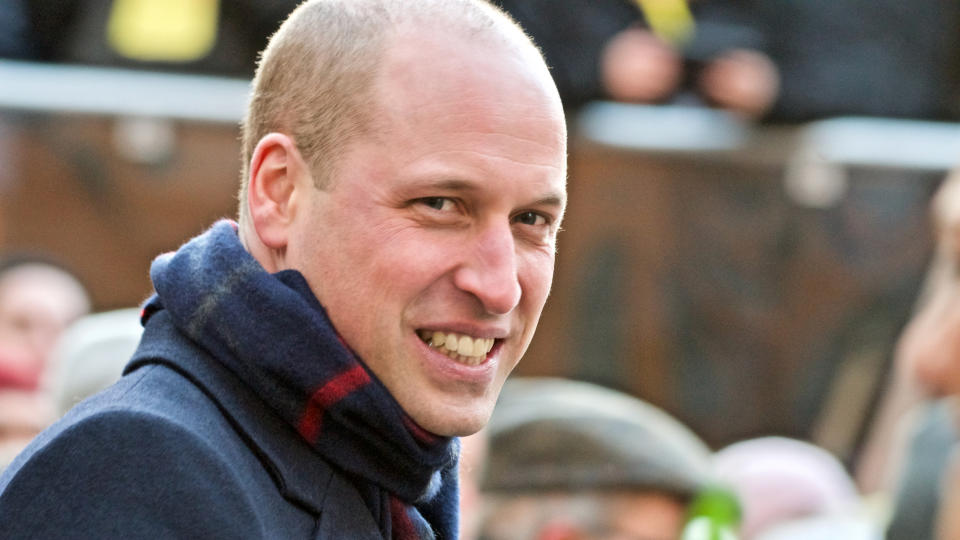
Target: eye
{"type": "Point", "coordinates": [437, 203]}
{"type": "Point", "coordinates": [531, 218]}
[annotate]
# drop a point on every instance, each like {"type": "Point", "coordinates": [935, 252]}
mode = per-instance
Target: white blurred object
{"type": "Point", "coordinates": [145, 140]}
{"type": "Point", "coordinates": [811, 180]}
{"type": "Point", "coordinates": [816, 173]}
{"type": "Point", "coordinates": [832, 527]}
{"type": "Point", "coordinates": [91, 354]}
{"type": "Point", "coordinates": [34, 86]}
{"type": "Point", "coordinates": [674, 128]}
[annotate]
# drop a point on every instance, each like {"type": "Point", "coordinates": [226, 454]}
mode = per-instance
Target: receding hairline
{"type": "Point", "coordinates": [347, 109]}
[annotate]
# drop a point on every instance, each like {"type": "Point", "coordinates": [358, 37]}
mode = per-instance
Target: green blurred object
{"type": "Point", "coordinates": [714, 514]}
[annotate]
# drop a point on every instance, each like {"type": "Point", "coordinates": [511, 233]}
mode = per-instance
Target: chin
{"type": "Point", "coordinates": [455, 425]}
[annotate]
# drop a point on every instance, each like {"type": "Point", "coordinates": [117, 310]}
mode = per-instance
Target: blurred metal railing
{"type": "Point", "coordinates": [815, 153]}
{"type": "Point", "coordinates": [59, 88]}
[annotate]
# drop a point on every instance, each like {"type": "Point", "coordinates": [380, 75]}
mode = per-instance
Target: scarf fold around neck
{"type": "Point", "coordinates": [270, 330]}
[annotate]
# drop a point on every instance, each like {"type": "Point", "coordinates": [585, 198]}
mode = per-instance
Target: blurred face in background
{"type": "Point", "coordinates": [628, 514]}
{"type": "Point", "coordinates": [645, 516]}
{"type": "Point", "coordinates": [37, 302]}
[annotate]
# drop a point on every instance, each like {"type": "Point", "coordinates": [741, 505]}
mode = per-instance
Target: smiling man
{"type": "Point", "coordinates": [304, 373]}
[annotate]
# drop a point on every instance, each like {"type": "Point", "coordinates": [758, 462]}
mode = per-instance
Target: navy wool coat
{"type": "Point", "coordinates": [178, 448]}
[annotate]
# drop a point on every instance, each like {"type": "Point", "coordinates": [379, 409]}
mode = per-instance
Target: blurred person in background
{"type": "Point", "coordinates": [922, 489]}
{"type": "Point", "coordinates": [635, 51]}
{"type": "Point", "coordinates": [774, 60]}
{"type": "Point", "coordinates": [603, 49]}
{"type": "Point", "coordinates": [472, 467]}
{"type": "Point", "coordinates": [570, 460]}
{"type": "Point", "coordinates": [38, 300]}
{"type": "Point", "coordinates": [836, 57]}
{"type": "Point", "coordinates": [911, 455]}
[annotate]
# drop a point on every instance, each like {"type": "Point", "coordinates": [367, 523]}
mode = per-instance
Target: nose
{"type": "Point", "coordinates": [490, 270]}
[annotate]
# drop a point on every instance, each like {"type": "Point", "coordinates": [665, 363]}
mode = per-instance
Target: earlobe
{"type": "Point", "coordinates": [276, 174]}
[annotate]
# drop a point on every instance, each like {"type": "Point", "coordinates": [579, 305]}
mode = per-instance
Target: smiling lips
{"type": "Point", "coordinates": [464, 349]}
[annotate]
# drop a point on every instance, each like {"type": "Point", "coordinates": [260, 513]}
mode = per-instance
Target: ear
{"type": "Point", "coordinates": [278, 174]}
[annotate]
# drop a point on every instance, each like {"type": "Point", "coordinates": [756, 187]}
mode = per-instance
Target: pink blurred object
{"type": "Point", "coordinates": [780, 479]}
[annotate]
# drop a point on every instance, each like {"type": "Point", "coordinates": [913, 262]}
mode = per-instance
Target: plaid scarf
{"type": "Point", "coordinates": [270, 330]}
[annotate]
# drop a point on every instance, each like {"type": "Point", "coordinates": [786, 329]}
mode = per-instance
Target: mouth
{"type": "Point", "coordinates": [461, 348]}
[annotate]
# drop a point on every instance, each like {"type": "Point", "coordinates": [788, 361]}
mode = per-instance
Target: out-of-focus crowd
{"type": "Point", "coordinates": [773, 60]}
{"type": "Point", "coordinates": [770, 60]}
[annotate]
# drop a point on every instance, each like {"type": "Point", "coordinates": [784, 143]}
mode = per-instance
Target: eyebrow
{"type": "Point", "coordinates": [453, 184]}
{"type": "Point", "coordinates": [550, 200]}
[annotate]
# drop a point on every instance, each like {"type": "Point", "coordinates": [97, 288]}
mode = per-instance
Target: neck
{"type": "Point", "coordinates": [271, 260]}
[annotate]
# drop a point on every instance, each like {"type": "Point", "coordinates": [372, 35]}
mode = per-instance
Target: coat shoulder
{"type": "Point", "coordinates": [129, 464]}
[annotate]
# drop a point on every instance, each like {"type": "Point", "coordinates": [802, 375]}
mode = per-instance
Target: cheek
{"type": "Point", "coordinates": [397, 274]}
{"type": "Point", "coordinates": [536, 277]}
{"type": "Point", "coordinates": [411, 253]}
{"type": "Point", "coordinates": [400, 264]}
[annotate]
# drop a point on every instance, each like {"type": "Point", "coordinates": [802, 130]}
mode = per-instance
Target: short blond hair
{"type": "Point", "coordinates": [314, 81]}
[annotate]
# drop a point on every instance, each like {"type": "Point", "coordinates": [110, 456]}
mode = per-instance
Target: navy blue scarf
{"type": "Point", "coordinates": [270, 330]}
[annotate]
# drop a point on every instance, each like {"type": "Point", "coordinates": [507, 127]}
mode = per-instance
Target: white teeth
{"type": "Point", "coordinates": [451, 342]}
{"type": "Point", "coordinates": [463, 349]}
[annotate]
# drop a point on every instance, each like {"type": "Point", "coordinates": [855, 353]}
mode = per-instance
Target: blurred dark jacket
{"type": "Point", "coordinates": [917, 498]}
{"type": "Point", "coordinates": [571, 34]}
{"type": "Point", "coordinates": [835, 57]}
{"type": "Point", "coordinates": [15, 35]}
{"type": "Point", "coordinates": [844, 57]}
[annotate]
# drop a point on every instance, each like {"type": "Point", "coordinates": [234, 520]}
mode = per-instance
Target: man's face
{"type": "Point", "coordinates": [433, 249]}
{"type": "Point", "coordinates": [643, 515]}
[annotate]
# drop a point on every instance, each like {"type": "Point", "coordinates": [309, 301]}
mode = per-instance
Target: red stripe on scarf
{"type": "Point", "coordinates": [327, 395]}
{"type": "Point", "coordinates": [401, 523]}
{"type": "Point", "coordinates": [422, 435]}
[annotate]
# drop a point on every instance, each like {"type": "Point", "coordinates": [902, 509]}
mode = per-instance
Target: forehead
{"type": "Point", "coordinates": [469, 100]}
{"type": "Point", "coordinates": [426, 76]}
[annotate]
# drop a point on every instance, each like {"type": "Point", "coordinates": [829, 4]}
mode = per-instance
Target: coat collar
{"type": "Point", "coordinates": [302, 476]}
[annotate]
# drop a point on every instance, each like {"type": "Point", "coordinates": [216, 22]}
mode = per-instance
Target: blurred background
{"type": "Point", "coordinates": [750, 182]}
